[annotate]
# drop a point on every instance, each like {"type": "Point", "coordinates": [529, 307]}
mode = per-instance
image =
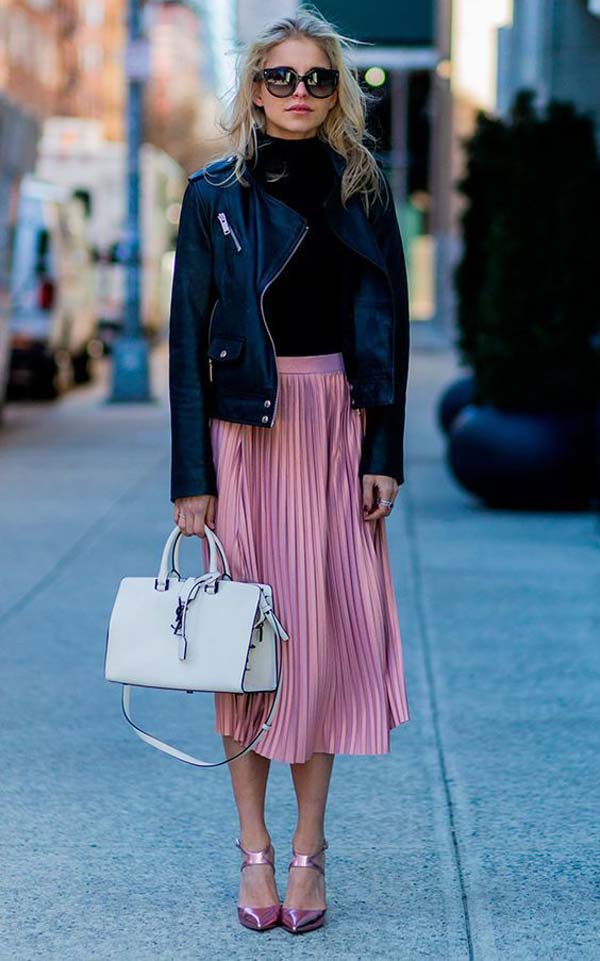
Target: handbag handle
{"type": "Point", "coordinates": [189, 758]}
{"type": "Point", "coordinates": [171, 548]}
{"type": "Point", "coordinates": [174, 565]}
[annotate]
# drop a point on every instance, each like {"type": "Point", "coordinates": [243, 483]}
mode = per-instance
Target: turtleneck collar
{"type": "Point", "coordinates": [288, 143]}
{"type": "Point", "coordinates": [278, 153]}
{"type": "Point", "coordinates": [285, 142]}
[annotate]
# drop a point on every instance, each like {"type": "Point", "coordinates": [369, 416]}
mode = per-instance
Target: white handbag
{"type": "Point", "coordinates": [207, 633]}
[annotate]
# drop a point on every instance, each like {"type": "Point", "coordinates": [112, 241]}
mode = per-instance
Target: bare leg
{"type": "Point", "coordinates": [306, 888]}
{"type": "Point", "coordinates": [249, 776]}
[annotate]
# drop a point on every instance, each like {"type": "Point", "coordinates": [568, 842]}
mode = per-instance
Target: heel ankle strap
{"type": "Point", "coordinates": [307, 860]}
{"type": "Point", "coordinates": [255, 857]}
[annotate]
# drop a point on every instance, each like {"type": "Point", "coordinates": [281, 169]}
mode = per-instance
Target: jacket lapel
{"type": "Point", "coordinates": [274, 245]}
{"type": "Point", "coordinates": [351, 222]}
{"type": "Point", "coordinates": [279, 230]}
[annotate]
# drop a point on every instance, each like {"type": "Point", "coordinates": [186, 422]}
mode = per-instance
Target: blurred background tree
{"type": "Point", "coordinates": [527, 284]}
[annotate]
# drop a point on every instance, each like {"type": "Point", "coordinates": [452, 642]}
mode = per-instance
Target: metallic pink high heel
{"type": "Point", "coordinates": [298, 920]}
{"type": "Point", "coordinates": [259, 919]}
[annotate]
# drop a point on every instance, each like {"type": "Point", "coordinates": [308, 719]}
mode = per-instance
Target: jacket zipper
{"type": "Point", "coordinates": [210, 368]}
{"type": "Point", "coordinates": [286, 261]}
{"type": "Point", "coordinates": [228, 229]}
{"type": "Point", "coordinates": [235, 240]}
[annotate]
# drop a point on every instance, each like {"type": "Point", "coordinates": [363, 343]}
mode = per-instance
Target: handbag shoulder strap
{"type": "Point", "coordinates": [189, 758]}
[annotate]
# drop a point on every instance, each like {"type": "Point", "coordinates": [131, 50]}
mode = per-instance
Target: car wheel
{"type": "Point", "coordinates": [81, 367]}
{"type": "Point", "coordinates": [44, 384]}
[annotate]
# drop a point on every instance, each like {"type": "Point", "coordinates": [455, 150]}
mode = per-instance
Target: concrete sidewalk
{"type": "Point", "coordinates": [476, 838]}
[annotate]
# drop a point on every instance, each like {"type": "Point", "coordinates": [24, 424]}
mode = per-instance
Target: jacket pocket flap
{"type": "Point", "coordinates": [224, 347]}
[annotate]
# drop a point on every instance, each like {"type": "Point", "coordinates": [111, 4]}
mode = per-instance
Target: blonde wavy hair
{"type": "Point", "coordinates": [344, 128]}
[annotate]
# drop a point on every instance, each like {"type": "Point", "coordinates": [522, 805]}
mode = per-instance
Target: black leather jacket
{"type": "Point", "coordinates": [233, 242]}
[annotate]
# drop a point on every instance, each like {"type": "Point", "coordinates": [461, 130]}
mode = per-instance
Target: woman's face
{"type": "Point", "coordinates": [281, 120]}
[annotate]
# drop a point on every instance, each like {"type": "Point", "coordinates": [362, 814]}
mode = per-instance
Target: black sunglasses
{"type": "Point", "coordinates": [320, 82]}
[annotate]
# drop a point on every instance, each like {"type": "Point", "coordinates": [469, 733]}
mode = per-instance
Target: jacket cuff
{"type": "Point", "coordinates": [194, 483]}
{"type": "Point", "coordinates": [383, 442]}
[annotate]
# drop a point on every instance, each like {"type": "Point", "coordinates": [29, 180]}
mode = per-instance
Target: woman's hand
{"type": "Point", "coordinates": [191, 513]}
{"type": "Point", "coordinates": [374, 487]}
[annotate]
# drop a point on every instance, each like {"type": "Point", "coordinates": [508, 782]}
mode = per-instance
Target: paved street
{"type": "Point", "coordinates": [476, 838]}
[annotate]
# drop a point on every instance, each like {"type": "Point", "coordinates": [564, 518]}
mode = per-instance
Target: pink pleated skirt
{"type": "Point", "coordinates": [289, 514]}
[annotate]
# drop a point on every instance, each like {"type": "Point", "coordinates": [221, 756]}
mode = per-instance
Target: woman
{"type": "Point", "coordinates": [288, 367]}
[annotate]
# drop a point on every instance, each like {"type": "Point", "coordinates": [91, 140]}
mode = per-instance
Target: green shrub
{"type": "Point", "coordinates": [528, 283]}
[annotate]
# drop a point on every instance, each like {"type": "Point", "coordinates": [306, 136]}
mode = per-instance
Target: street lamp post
{"type": "Point", "coordinates": [130, 367]}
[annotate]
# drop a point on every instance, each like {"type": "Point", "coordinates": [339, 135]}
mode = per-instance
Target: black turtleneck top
{"type": "Point", "coordinates": [307, 305]}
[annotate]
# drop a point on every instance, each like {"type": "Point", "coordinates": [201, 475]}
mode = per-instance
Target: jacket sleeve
{"type": "Point", "coordinates": [383, 441]}
{"type": "Point", "coordinates": [192, 295]}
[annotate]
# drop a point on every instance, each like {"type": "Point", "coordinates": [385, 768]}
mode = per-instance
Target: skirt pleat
{"type": "Point", "coordinates": [289, 514]}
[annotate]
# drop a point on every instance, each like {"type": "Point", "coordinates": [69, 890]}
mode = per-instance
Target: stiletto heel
{"type": "Point", "coordinates": [258, 919]}
{"type": "Point", "coordinates": [299, 920]}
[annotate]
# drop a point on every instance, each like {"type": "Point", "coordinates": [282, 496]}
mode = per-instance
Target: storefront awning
{"type": "Point", "coordinates": [408, 23]}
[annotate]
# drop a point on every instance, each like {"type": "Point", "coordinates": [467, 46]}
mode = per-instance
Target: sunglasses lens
{"type": "Point", "coordinates": [279, 81]}
{"type": "Point", "coordinates": [322, 83]}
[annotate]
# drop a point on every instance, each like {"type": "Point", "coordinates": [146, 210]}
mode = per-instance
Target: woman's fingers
{"type": "Point", "coordinates": [368, 493]}
{"type": "Point", "coordinates": [376, 486]}
{"type": "Point", "coordinates": [198, 521]}
{"type": "Point", "coordinates": [190, 513]}
{"type": "Point", "coordinates": [187, 524]}
{"type": "Point", "coordinates": [210, 513]}
{"type": "Point", "coordinates": [177, 516]}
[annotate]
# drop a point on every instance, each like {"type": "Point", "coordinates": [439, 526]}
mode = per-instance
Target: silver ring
{"type": "Point", "coordinates": [386, 502]}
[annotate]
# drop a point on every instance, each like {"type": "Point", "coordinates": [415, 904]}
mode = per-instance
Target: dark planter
{"type": "Point", "coordinates": [453, 399]}
{"type": "Point", "coordinates": [524, 460]}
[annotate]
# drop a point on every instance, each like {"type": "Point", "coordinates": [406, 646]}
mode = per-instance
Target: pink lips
{"type": "Point", "coordinates": [299, 109]}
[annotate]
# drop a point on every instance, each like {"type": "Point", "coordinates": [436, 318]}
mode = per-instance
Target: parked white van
{"type": "Point", "coordinates": [73, 152]}
{"type": "Point", "coordinates": [52, 292]}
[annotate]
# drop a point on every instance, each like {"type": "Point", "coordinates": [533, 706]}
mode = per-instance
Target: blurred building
{"type": "Point", "coordinates": [468, 81]}
{"type": "Point", "coordinates": [35, 67]}
{"type": "Point", "coordinates": [57, 57]}
{"type": "Point", "coordinates": [36, 52]}
{"type": "Point", "coordinates": [552, 47]}
{"type": "Point", "coordinates": [180, 101]}
{"type": "Point", "coordinates": [100, 90]}
{"type": "Point", "coordinates": [218, 19]}
{"type": "Point", "coordinates": [64, 57]}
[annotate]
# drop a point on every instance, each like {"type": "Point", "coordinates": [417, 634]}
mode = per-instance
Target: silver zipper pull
{"type": "Point", "coordinates": [210, 370]}
{"type": "Point", "coordinates": [224, 224]}
{"type": "Point", "coordinates": [228, 230]}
